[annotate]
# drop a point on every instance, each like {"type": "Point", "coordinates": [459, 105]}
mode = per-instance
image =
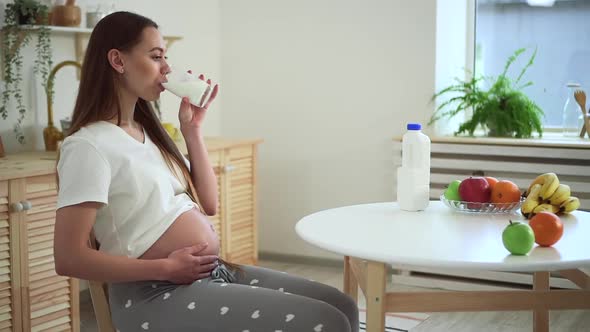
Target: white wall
{"type": "Point", "coordinates": [197, 23]}
{"type": "Point", "coordinates": [327, 84]}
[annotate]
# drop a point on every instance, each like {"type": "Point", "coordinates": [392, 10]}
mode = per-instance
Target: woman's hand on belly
{"type": "Point", "coordinates": [187, 265]}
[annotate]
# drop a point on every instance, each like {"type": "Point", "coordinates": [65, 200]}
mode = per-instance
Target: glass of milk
{"type": "Point", "coordinates": [184, 83]}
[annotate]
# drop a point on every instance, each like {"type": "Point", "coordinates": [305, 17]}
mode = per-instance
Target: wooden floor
{"type": "Point", "coordinates": [560, 321]}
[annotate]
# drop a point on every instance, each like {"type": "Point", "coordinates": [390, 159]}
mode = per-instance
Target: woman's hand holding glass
{"type": "Point", "coordinates": [191, 117]}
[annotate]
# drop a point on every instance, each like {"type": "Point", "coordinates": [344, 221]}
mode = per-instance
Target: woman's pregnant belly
{"type": "Point", "coordinates": [190, 228]}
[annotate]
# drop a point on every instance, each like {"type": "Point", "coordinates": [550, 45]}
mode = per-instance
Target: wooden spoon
{"type": "Point", "coordinates": [581, 99]}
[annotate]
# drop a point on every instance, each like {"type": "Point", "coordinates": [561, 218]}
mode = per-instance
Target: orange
{"type": "Point", "coordinates": [505, 191]}
{"type": "Point", "coordinates": [491, 181]}
{"type": "Point", "coordinates": [547, 227]}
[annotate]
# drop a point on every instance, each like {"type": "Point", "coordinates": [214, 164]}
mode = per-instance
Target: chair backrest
{"type": "Point", "coordinates": [99, 296]}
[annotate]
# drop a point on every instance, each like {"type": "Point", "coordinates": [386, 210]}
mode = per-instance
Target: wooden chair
{"type": "Point", "coordinates": [99, 296]}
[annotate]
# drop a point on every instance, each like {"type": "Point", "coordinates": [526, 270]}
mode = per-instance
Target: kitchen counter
{"type": "Point", "coordinates": [33, 163]}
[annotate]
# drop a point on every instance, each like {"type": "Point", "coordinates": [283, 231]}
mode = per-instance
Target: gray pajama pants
{"type": "Point", "coordinates": [257, 300]}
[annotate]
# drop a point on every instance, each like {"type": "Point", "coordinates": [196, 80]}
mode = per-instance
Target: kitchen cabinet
{"type": "Point", "coordinates": [32, 296]}
{"type": "Point", "coordinates": [235, 164]}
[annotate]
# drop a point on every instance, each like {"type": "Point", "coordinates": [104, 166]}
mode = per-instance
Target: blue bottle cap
{"type": "Point", "coordinates": [414, 126]}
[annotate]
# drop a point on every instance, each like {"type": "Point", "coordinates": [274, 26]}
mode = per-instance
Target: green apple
{"type": "Point", "coordinates": [518, 238]}
{"type": "Point", "coordinates": [452, 192]}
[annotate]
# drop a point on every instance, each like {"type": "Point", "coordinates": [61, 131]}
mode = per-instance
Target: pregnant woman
{"type": "Point", "coordinates": [121, 176]}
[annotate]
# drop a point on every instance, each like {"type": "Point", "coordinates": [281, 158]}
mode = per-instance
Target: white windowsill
{"type": "Point", "coordinates": [549, 139]}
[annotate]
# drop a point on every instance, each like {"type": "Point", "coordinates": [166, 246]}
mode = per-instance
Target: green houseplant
{"type": "Point", "coordinates": [15, 36]}
{"type": "Point", "coordinates": [503, 110]}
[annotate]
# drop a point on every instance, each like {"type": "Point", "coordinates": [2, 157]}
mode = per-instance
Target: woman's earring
{"type": "Point", "coordinates": [122, 70]}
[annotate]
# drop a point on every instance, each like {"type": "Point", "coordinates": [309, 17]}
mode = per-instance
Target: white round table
{"type": "Point", "coordinates": [440, 237]}
{"type": "Point", "coordinates": [371, 236]}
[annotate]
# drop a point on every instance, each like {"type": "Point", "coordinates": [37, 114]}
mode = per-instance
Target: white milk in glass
{"type": "Point", "coordinates": [188, 85]}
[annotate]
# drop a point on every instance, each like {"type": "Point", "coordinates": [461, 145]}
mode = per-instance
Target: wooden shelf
{"type": "Point", "coordinates": [80, 35]}
{"type": "Point", "coordinates": [77, 30]}
{"type": "Point", "coordinates": [53, 28]}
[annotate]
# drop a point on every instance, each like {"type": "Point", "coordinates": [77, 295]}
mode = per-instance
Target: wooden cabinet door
{"type": "Point", "coordinates": [10, 299]}
{"type": "Point", "coordinates": [241, 235]}
{"type": "Point", "coordinates": [50, 301]}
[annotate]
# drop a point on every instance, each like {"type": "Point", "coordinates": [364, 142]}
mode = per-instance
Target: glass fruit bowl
{"type": "Point", "coordinates": [472, 207]}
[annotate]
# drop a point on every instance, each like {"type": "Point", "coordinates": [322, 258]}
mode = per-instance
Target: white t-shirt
{"type": "Point", "coordinates": [103, 163]}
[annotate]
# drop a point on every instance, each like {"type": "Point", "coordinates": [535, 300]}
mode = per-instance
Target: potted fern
{"type": "Point", "coordinates": [503, 110]}
{"type": "Point", "coordinates": [15, 36]}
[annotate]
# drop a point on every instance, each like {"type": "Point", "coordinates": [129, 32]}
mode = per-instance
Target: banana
{"type": "Point", "coordinates": [561, 195]}
{"type": "Point", "coordinates": [549, 186]}
{"type": "Point", "coordinates": [571, 204]}
{"type": "Point", "coordinates": [549, 181]}
{"type": "Point", "coordinates": [531, 201]}
{"type": "Point", "coordinates": [546, 207]}
{"type": "Point", "coordinates": [538, 180]}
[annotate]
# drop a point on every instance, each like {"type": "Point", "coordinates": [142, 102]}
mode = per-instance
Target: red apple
{"type": "Point", "coordinates": [475, 189]}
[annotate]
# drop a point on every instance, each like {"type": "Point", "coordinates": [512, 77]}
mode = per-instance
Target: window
{"type": "Point", "coordinates": [559, 30]}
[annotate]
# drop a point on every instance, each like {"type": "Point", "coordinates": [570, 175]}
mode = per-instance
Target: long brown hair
{"type": "Point", "coordinates": [121, 31]}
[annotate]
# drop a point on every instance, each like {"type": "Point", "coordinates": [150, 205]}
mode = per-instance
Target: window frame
{"type": "Point", "coordinates": [468, 68]}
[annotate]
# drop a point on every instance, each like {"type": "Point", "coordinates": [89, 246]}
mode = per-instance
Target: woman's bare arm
{"type": "Point", "coordinates": [74, 258]}
{"type": "Point", "coordinates": [191, 120]}
{"type": "Point", "coordinates": [202, 173]}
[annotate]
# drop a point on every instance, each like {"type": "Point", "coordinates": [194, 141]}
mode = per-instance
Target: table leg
{"type": "Point", "coordinates": [375, 296]}
{"type": "Point", "coordinates": [541, 316]}
{"type": "Point", "coordinates": [578, 277]}
{"type": "Point", "coordinates": [350, 282]}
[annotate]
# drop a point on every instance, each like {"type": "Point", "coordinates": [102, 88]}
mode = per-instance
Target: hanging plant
{"type": "Point", "coordinates": [15, 36]}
